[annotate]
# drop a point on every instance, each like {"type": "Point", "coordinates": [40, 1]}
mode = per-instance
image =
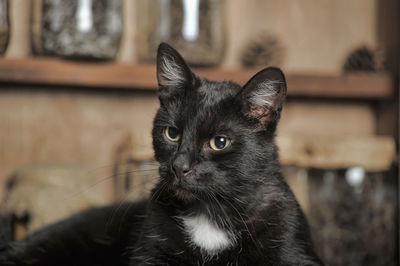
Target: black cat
{"type": "Point", "coordinates": [220, 199]}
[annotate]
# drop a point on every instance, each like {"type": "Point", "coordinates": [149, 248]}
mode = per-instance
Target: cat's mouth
{"type": "Point", "coordinates": [185, 192]}
{"type": "Point", "coordinates": [185, 188]}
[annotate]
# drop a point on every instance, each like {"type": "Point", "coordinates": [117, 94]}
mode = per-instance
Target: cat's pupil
{"type": "Point", "coordinates": [220, 142]}
{"type": "Point", "coordinates": [173, 132]}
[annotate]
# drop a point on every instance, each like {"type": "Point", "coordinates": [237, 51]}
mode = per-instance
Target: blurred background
{"type": "Point", "coordinates": [78, 95]}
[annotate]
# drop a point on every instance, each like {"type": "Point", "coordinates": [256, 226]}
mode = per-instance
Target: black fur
{"type": "Point", "coordinates": [239, 189]}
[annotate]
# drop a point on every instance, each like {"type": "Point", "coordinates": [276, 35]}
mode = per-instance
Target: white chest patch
{"type": "Point", "coordinates": [206, 234]}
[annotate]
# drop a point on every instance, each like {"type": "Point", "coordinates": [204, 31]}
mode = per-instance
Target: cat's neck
{"type": "Point", "coordinates": [230, 213]}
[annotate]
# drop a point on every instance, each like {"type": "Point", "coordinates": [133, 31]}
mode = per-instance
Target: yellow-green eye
{"type": "Point", "coordinates": [219, 143]}
{"type": "Point", "coordinates": [172, 133]}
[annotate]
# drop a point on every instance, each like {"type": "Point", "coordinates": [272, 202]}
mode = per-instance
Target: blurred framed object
{"type": "Point", "coordinates": [4, 26]}
{"type": "Point", "coordinates": [77, 29]}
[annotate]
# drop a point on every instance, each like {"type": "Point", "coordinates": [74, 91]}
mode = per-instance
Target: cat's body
{"type": "Point", "coordinates": [221, 198]}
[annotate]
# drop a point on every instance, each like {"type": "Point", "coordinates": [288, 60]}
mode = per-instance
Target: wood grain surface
{"type": "Point", "coordinates": [143, 77]}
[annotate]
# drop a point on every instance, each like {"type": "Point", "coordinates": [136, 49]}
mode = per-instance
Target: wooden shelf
{"type": "Point", "coordinates": [44, 71]}
{"type": "Point", "coordinates": [337, 152]}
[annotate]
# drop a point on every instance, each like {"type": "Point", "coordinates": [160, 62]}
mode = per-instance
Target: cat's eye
{"type": "Point", "coordinates": [219, 143]}
{"type": "Point", "coordinates": [172, 133]}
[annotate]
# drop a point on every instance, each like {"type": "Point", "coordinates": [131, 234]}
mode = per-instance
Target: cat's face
{"type": "Point", "coordinates": [214, 139]}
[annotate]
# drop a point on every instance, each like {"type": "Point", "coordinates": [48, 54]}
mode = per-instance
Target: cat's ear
{"type": "Point", "coordinates": [263, 96]}
{"type": "Point", "coordinates": [173, 74]}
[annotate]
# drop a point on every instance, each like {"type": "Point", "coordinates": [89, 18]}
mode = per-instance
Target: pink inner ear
{"type": "Point", "coordinates": [258, 111]}
{"type": "Point", "coordinates": [262, 113]}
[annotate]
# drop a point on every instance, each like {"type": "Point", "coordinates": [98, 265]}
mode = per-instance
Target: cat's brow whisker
{"type": "Point", "coordinates": [75, 194]}
{"type": "Point", "coordinates": [110, 166]}
{"type": "Point", "coordinates": [102, 180]}
{"type": "Point", "coordinates": [122, 218]}
{"type": "Point", "coordinates": [126, 199]}
{"type": "Point", "coordinates": [139, 170]}
{"type": "Point", "coordinates": [158, 191]}
{"type": "Point", "coordinates": [91, 186]}
{"type": "Point", "coordinates": [116, 210]}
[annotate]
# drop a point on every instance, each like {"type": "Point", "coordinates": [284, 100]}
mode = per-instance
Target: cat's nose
{"type": "Point", "coordinates": [181, 166]}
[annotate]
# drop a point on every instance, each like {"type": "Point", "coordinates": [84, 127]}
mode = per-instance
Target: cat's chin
{"type": "Point", "coordinates": [185, 194]}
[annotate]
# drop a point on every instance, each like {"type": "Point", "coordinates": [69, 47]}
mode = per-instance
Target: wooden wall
{"type": "Point", "coordinates": [82, 127]}
{"type": "Point", "coordinates": [318, 34]}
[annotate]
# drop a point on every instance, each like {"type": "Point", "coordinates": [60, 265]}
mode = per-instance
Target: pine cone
{"type": "Point", "coordinates": [263, 50]}
{"type": "Point", "coordinates": [364, 59]}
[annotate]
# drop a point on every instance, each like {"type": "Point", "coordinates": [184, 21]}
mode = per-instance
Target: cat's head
{"type": "Point", "coordinates": [215, 139]}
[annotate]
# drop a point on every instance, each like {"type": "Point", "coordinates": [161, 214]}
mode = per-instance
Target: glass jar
{"type": "Point", "coordinates": [346, 208]}
{"type": "Point", "coordinates": [196, 28]}
{"type": "Point", "coordinates": [4, 26]}
{"type": "Point", "coordinates": [78, 29]}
